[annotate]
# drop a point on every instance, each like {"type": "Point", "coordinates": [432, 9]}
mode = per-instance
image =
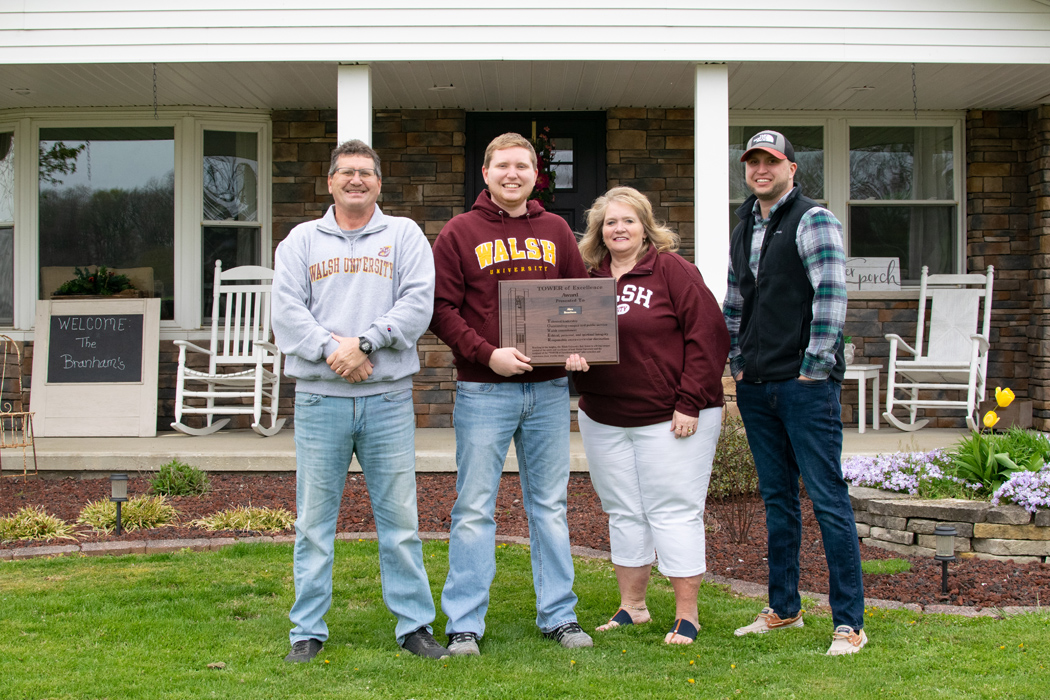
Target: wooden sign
{"type": "Point", "coordinates": [95, 366]}
{"type": "Point", "coordinates": [873, 274]}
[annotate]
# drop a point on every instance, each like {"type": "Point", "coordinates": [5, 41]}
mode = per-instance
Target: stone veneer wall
{"type": "Point", "coordinates": [905, 524]}
{"type": "Point", "coordinates": [652, 151]}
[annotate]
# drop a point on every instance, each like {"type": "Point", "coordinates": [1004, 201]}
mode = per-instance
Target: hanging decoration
{"type": "Point", "coordinates": [544, 146]}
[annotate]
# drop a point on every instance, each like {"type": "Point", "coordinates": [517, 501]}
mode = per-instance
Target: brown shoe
{"type": "Point", "coordinates": [768, 621]}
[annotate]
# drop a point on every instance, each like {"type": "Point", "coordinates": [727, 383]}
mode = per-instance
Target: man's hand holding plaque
{"type": "Point", "coordinates": [556, 322]}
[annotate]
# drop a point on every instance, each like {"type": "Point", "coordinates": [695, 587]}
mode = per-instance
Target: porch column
{"type": "Point", "coordinates": [711, 175]}
{"type": "Point", "coordinates": [355, 103]}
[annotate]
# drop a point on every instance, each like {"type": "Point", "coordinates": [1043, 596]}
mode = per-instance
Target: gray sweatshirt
{"type": "Point", "coordinates": [377, 283]}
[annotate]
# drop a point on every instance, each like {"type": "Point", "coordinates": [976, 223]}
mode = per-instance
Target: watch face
{"type": "Point", "coordinates": [366, 347]}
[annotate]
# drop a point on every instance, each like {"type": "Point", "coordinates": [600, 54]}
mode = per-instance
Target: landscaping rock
{"type": "Point", "coordinates": [889, 521]}
{"type": "Point", "coordinates": [1042, 517]}
{"type": "Point", "coordinates": [220, 542]}
{"type": "Point", "coordinates": [926, 527]}
{"type": "Point", "coordinates": [909, 550]}
{"type": "Point", "coordinates": [863, 530]}
{"type": "Point", "coordinates": [51, 551]}
{"type": "Point", "coordinates": [940, 509]}
{"type": "Point", "coordinates": [1011, 532]}
{"type": "Point", "coordinates": [1008, 515]}
{"type": "Point", "coordinates": [861, 516]}
{"type": "Point", "coordinates": [892, 535]}
{"type": "Point", "coordinates": [860, 495]}
{"type": "Point", "coordinates": [1014, 559]}
{"type": "Point", "coordinates": [962, 544]}
{"type": "Point", "coordinates": [1011, 548]}
{"type": "Point", "coordinates": [115, 548]}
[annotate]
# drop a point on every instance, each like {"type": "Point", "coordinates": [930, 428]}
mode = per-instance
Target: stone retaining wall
{"type": "Point", "coordinates": [905, 524]}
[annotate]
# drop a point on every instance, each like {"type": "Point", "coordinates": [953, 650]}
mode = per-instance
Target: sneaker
{"type": "Point", "coordinates": [767, 621]}
{"type": "Point", "coordinates": [846, 640]}
{"type": "Point", "coordinates": [422, 643]}
{"type": "Point", "coordinates": [570, 635]}
{"type": "Point", "coordinates": [463, 644]}
{"type": "Point", "coordinates": [303, 651]}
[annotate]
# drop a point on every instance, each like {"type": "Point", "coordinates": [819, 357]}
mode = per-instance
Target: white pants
{"type": "Point", "coordinates": [653, 488]}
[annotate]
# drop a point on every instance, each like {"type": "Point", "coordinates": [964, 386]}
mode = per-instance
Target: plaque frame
{"type": "Point", "coordinates": [538, 317]}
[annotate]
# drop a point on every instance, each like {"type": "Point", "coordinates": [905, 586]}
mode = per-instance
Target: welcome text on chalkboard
{"type": "Point", "coordinates": [87, 348]}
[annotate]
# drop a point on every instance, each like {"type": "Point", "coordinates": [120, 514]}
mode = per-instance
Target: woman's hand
{"type": "Point", "coordinates": [682, 425]}
{"type": "Point", "coordinates": [575, 363]}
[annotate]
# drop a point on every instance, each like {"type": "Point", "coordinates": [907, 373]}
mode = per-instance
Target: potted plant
{"type": "Point", "coordinates": [100, 282]}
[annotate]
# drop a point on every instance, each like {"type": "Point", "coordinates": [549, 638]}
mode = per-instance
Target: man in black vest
{"type": "Point", "coordinates": [785, 308]}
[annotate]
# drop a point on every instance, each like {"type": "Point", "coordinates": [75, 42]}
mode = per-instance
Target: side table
{"type": "Point", "coordinates": [862, 373]}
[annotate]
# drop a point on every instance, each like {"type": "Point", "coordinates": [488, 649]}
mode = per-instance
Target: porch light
{"type": "Point", "coordinates": [118, 485]}
{"type": "Point", "coordinates": [945, 535]}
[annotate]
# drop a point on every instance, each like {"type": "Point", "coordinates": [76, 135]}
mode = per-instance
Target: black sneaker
{"type": "Point", "coordinates": [463, 644]}
{"type": "Point", "coordinates": [303, 651]}
{"type": "Point", "coordinates": [422, 643]}
{"type": "Point", "coordinates": [570, 635]}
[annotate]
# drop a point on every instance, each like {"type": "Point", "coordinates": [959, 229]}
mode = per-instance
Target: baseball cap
{"type": "Point", "coordinates": [772, 142]}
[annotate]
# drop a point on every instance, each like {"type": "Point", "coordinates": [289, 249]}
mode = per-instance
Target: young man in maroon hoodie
{"type": "Point", "coordinates": [500, 396]}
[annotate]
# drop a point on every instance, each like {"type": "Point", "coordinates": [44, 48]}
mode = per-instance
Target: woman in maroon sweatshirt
{"type": "Point", "coordinates": [650, 424]}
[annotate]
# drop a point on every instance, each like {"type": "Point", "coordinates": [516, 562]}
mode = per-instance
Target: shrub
{"type": "Point", "coordinates": [926, 474]}
{"type": "Point", "coordinates": [1025, 488]}
{"type": "Point", "coordinates": [179, 479]}
{"type": "Point", "coordinates": [139, 512]}
{"type": "Point", "coordinates": [33, 523]}
{"type": "Point", "coordinates": [733, 481]}
{"type": "Point", "coordinates": [248, 518]}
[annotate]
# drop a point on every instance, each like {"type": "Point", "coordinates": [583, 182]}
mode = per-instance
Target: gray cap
{"type": "Point", "coordinates": [772, 142]}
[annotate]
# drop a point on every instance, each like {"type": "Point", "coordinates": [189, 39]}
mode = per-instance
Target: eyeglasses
{"type": "Point", "coordinates": [365, 173]}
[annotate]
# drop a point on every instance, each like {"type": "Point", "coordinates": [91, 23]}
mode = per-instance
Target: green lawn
{"type": "Point", "coordinates": [148, 626]}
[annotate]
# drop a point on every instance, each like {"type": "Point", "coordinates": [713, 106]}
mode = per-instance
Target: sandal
{"type": "Point", "coordinates": [683, 628]}
{"type": "Point", "coordinates": [622, 617]}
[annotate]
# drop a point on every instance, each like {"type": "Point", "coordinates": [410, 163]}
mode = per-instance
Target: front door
{"type": "Point", "coordinates": [579, 155]}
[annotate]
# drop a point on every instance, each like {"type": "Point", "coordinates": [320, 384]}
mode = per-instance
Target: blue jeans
{"type": "Point", "coordinates": [381, 430]}
{"type": "Point", "coordinates": [486, 417]}
{"type": "Point", "coordinates": [795, 427]}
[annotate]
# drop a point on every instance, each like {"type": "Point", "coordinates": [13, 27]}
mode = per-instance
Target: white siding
{"type": "Point", "coordinates": [115, 31]}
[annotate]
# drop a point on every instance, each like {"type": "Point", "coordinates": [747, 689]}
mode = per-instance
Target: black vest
{"type": "Point", "coordinates": [778, 308]}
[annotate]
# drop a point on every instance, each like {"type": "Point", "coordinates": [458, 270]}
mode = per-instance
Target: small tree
{"type": "Point", "coordinates": [734, 481]}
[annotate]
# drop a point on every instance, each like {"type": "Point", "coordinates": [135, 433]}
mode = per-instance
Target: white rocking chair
{"type": "Point", "coordinates": [245, 322]}
{"type": "Point", "coordinates": [956, 354]}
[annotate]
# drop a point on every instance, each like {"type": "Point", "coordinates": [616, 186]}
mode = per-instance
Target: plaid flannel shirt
{"type": "Point", "coordinates": [819, 241]}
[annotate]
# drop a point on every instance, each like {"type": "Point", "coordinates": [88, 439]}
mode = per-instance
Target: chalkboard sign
{"type": "Point", "coordinates": [86, 348]}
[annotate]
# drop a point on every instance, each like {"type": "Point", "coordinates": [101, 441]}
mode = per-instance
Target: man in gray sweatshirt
{"type": "Point", "coordinates": [352, 293]}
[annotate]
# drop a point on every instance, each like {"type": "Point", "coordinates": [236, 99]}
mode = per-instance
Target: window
{"type": "Point", "coordinates": [7, 228]}
{"type": "Point", "coordinates": [901, 200]}
{"type": "Point", "coordinates": [889, 179]}
{"type": "Point", "coordinates": [230, 229]}
{"type": "Point", "coordinates": [107, 198]}
{"type": "Point", "coordinates": [561, 164]}
{"type": "Point", "coordinates": [158, 197]}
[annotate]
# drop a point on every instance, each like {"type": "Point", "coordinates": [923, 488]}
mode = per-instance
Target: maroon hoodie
{"type": "Point", "coordinates": [473, 252]}
{"type": "Point", "coordinates": [673, 346]}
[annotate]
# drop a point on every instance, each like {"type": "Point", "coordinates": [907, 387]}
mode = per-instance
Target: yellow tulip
{"type": "Point", "coordinates": [990, 419]}
{"type": "Point", "coordinates": [1003, 397]}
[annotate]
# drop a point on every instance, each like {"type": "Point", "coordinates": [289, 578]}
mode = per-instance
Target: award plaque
{"type": "Point", "coordinates": [548, 320]}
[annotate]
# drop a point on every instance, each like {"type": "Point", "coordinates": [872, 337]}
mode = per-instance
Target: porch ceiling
{"type": "Point", "coordinates": [528, 85]}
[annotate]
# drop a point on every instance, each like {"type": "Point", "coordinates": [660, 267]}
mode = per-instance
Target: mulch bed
{"type": "Point", "coordinates": [972, 582]}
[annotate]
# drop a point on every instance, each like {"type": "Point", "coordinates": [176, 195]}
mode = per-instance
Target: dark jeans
{"type": "Point", "coordinates": [795, 428]}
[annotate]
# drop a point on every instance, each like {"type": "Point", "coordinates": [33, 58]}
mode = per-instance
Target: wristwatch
{"type": "Point", "coordinates": [366, 346]}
